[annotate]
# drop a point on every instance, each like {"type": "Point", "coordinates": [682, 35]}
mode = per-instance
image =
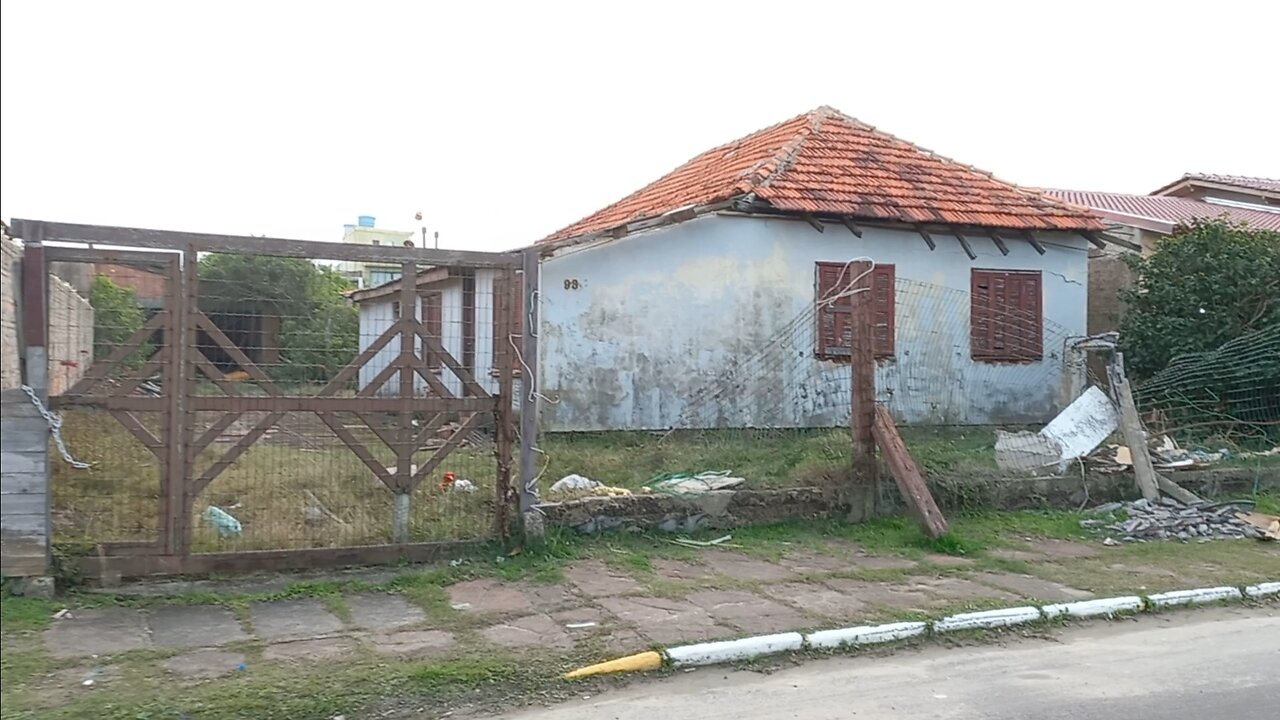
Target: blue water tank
{"type": "Point", "coordinates": [365, 221]}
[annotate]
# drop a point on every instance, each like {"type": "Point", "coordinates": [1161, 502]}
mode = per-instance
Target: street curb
{"type": "Point", "coordinates": [714, 653]}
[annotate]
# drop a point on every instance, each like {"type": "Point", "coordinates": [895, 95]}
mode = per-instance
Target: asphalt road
{"type": "Point", "coordinates": [1210, 664]}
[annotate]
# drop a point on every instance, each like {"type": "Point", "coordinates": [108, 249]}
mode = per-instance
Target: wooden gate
{"type": "Point", "coordinates": [242, 383]}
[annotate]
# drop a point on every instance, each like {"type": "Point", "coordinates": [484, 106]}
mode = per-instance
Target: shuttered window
{"type": "Point", "coordinates": [433, 321]}
{"type": "Point", "coordinates": [1005, 316]}
{"type": "Point", "coordinates": [835, 309]}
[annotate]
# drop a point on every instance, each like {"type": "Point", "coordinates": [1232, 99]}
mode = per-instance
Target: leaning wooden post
{"type": "Point", "coordinates": [1131, 426]}
{"type": "Point", "coordinates": [529, 321]}
{"type": "Point", "coordinates": [863, 368]}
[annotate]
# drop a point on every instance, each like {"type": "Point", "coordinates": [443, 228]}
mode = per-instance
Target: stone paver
{"type": "Point", "coordinates": [488, 596]}
{"type": "Point", "coordinates": [745, 567]}
{"type": "Point", "coordinates": [1063, 548]}
{"type": "Point", "coordinates": [1033, 588]}
{"type": "Point", "coordinates": [204, 664]}
{"type": "Point", "coordinates": [1017, 555]}
{"type": "Point", "coordinates": [529, 631]}
{"type": "Point", "coordinates": [548, 598]}
{"type": "Point", "coordinates": [747, 611]}
{"type": "Point", "coordinates": [319, 649]}
{"type": "Point", "coordinates": [669, 569]}
{"type": "Point", "coordinates": [413, 643]}
{"type": "Point", "coordinates": [292, 620]}
{"type": "Point", "coordinates": [595, 579]}
{"type": "Point", "coordinates": [882, 562]}
{"type": "Point", "coordinates": [950, 589]}
{"type": "Point", "coordinates": [901, 596]}
{"type": "Point", "coordinates": [383, 611]}
{"type": "Point", "coordinates": [666, 621]}
{"type": "Point", "coordinates": [819, 599]}
{"type": "Point", "coordinates": [805, 561]}
{"type": "Point", "coordinates": [193, 626]}
{"type": "Point", "coordinates": [580, 616]}
{"type": "Point", "coordinates": [96, 632]}
{"type": "Point", "coordinates": [942, 560]}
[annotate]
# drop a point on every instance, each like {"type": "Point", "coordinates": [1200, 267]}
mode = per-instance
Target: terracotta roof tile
{"type": "Point", "coordinates": [827, 163]}
{"type": "Point", "coordinates": [1168, 209]}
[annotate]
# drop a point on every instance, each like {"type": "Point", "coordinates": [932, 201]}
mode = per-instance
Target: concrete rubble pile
{"type": "Point", "coordinates": [1169, 519]}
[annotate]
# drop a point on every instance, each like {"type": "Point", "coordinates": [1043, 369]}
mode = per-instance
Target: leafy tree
{"type": "Point", "coordinates": [319, 327]}
{"type": "Point", "coordinates": [1210, 282]}
{"type": "Point", "coordinates": [116, 316]}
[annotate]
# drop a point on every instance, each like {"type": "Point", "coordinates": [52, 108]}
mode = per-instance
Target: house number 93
{"type": "Point", "coordinates": [572, 284]}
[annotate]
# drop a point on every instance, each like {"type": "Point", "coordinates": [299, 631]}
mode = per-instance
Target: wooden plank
{"type": "Point", "coordinates": [235, 451]}
{"type": "Point", "coordinates": [212, 433]}
{"type": "Point", "coordinates": [377, 468]}
{"type": "Point", "coordinates": [245, 245]}
{"type": "Point", "coordinates": [1031, 239]}
{"type": "Point", "coordinates": [463, 374]}
{"type": "Point", "coordinates": [863, 384]}
{"type": "Point", "coordinates": [249, 366]}
{"type": "Point", "coordinates": [23, 483]}
{"type": "Point", "coordinates": [282, 403]}
{"type": "Point", "coordinates": [995, 238]}
{"type": "Point", "coordinates": [848, 223]}
{"type": "Point", "coordinates": [964, 243]}
{"type": "Point", "coordinates": [504, 419]}
{"type": "Point", "coordinates": [100, 368]}
{"type": "Point", "coordinates": [409, 307]}
{"type": "Point", "coordinates": [140, 431]}
{"type": "Point", "coordinates": [910, 481]}
{"type": "Point", "coordinates": [928, 239]}
{"type": "Point", "coordinates": [1131, 427]}
{"type": "Point", "coordinates": [35, 294]}
{"type": "Point", "coordinates": [134, 258]}
{"type": "Point", "coordinates": [1093, 238]}
{"type": "Point", "coordinates": [362, 359]}
{"type": "Point", "coordinates": [1176, 491]}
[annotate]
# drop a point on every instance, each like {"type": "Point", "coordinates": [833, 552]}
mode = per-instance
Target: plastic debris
{"type": "Point", "coordinates": [63, 614]}
{"type": "Point", "coordinates": [580, 625]}
{"type": "Point", "coordinates": [580, 486]}
{"type": "Point", "coordinates": [573, 482]}
{"type": "Point", "coordinates": [463, 485]}
{"type": "Point", "coordinates": [461, 606]}
{"type": "Point", "coordinates": [223, 522]}
{"type": "Point", "coordinates": [692, 484]}
{"type": "Point", "coordinates": [718, 542]}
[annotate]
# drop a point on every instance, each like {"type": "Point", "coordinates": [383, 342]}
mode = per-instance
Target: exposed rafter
{"type": "Point", "coordinates": [813, 222]}
{"type": "Point", "coordinates": [995, 238]}
{"type": "Point", "coordinates": [964, 243]}
{"type": "Point", "coordinates": [1093, 238]}
{"type": "Point", "coordinates": [1026, 234]}
{"type": "Point", "coordinates": [928, 239]}
{"type": "Point", "coordinates": [848, 222]}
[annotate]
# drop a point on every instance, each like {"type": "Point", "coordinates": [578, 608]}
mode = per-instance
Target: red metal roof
{"type": "Point", "coordinates": [827, 163]}
{"type": "Point", "coordinates": [1171, 210]}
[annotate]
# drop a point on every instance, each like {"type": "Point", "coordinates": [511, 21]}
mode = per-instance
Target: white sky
{"type": "Point", "coordinates": [503, 121]}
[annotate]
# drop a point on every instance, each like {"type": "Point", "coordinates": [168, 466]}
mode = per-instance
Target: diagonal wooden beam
{"type": "Point", "coordinates": [995, 238]}
{"type": "Point", "coordinates": [102, 368]}
{"type": "Point", "coordinates": [235, 451]}
{"type": "Point", "coordinates": [211, 371]}
{"type": "Point", "coordinates": [928, 239]}
{"type": "Point", "coordinates": [391, 439]}
{"type": "Point", "coordinates": [964, 243]}
{"type": "Point", "coordinates": [427, 430]}
{"type": "Point", "coordinates": [1030, 238]}
{"type": "Point", "coordinates": [153, 365]}
{"type": "Point", "coordinates": [1093, 238]}
{"type": "Point", "coordinates": [236, 353]}
{"type": "Point", "coordinates": [468, 380]}
{"type": "Point", "coordinates": [433, 382]}
{"type": "Point", "coordinates": [362, 359]}
{"type": "Point", "coordinates": [379, 470]}
{"type": "Point", "coordinates": [857, 232]}
{"type": "Point", "coordinates": [200, 444]}
{"type": "Point", "coordinates": [443, 451]}
{"type": "Point", "coordinates": [140, 431]}
{"type": "Point", "coordinates": [383, 376]}
{"type": "Point", "coordinates": [813, 222]}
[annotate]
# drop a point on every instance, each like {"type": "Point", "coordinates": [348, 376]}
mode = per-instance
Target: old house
{"type": "Point", "coordinates": [1140, 221]}
{"type": "Point", "coordinates": [651, 299]}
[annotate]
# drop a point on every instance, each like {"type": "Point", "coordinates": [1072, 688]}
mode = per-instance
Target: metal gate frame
{"type": "Point", "coordinates": [181, 362]}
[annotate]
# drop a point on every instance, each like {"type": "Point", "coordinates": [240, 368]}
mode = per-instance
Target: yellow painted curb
{"type": "Point", "coordinates": [631, 663]}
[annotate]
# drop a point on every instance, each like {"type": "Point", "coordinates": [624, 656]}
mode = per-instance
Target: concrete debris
{"type": "Point", "coordinates": [1141, 520]}
{"type": "Point", "coordinates": [1074, 433]}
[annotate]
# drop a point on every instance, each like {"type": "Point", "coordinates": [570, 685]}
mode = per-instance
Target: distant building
{"type": "Point", "coordinates": [365, 232]}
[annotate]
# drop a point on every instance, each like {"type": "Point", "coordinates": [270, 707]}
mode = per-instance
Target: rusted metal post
{"type": "Point", "coordinates": [863, 387]}
{"type": "Point", "coordinates": [529, 395]}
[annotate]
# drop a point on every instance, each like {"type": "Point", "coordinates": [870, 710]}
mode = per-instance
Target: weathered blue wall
{"type": "Point", "coordinates": [633, 329]}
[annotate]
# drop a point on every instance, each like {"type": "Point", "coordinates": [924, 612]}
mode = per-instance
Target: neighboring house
{"type": "Point", "coordinates": [1143, 220]}
{"type": "Point", "coordinates": [455, 306]}
{"type": "Point", "coordinates": [648, 301]}
{"type": "Point", "coordinates": [366, 232]}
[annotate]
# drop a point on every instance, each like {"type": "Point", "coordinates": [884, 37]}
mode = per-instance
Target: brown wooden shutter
{"type": "Point", "coordinates": [834, 331]}
{"type": "Point", "coordinates": [433, 321]}
{"type": "Point", "coordinates": [1006, 320]}
{"type": "Point", "coordinates": [883, 284]}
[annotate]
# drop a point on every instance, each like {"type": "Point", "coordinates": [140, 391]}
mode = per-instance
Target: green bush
{"type": "Point", "coordinates": [116, 316]}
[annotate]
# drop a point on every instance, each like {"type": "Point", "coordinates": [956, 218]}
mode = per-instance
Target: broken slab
{"type": "Point", "coordinates": [193, 626]}
{"type": "Point", "coordinates": [748, 612]}
{"type": "Point", "coordinates": [413, 643]}
{"type": "Point", "coordinates": [663, 620]}
{"type": "Point", "coordinates": [109, 631]}
{"type": "Point", "coordinates": [529, 631]}
{"type": "Point", "coordinates": [595, 579]}
{"type": "Point", "coordinates": [744, 567]}
{"type": "Point", "coordinates": [204, 664]}
{"type": "Point", "coordinates": [1033, 588]}
{"type": "Point", "coordinates": [292, 620]}
{"type": "Point", "coordinates": [819, 599]}
{"type": "Point", "coordinates": [383, 611]}
{"type": "Point", "coordinates": [488, 596]}
{"type": "Point", "coordinates": [310, 650]}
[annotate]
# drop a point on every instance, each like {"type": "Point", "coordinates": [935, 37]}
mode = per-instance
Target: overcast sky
{"type": "Point", "coordinates": [503, 121]}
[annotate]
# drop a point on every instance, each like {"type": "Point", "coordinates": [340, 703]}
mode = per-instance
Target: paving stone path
{"type": "Point", "coordinates": [720, 594]}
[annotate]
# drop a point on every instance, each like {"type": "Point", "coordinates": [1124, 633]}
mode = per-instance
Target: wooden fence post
{"type": "Point", "coordinates": [863, 389]}
{"type": "Point", "coordinates": [1131, 426]}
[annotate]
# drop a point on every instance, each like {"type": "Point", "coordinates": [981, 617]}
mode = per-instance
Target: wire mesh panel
{"type": "Point", "coordinates": [110, 334]}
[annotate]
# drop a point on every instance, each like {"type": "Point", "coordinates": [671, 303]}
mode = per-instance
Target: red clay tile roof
{"type": "Point", "coordinates": [1172, 210]}
{"type": "Point", "coordinates": [1240, 181]}
{"type": "Point", "coordinates": [827, 163]}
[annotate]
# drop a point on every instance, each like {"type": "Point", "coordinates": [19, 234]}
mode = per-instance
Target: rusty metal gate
{"type": "Point", "coordinates": [243, 405]}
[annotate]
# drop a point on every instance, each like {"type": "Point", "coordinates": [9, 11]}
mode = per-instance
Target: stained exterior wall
{"type": "Point", "coordinates": [633, 328]}
{"type": "Point", "coordinates": [10, 360]}
{"type": "Point", "coordinates": [70, 333]}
